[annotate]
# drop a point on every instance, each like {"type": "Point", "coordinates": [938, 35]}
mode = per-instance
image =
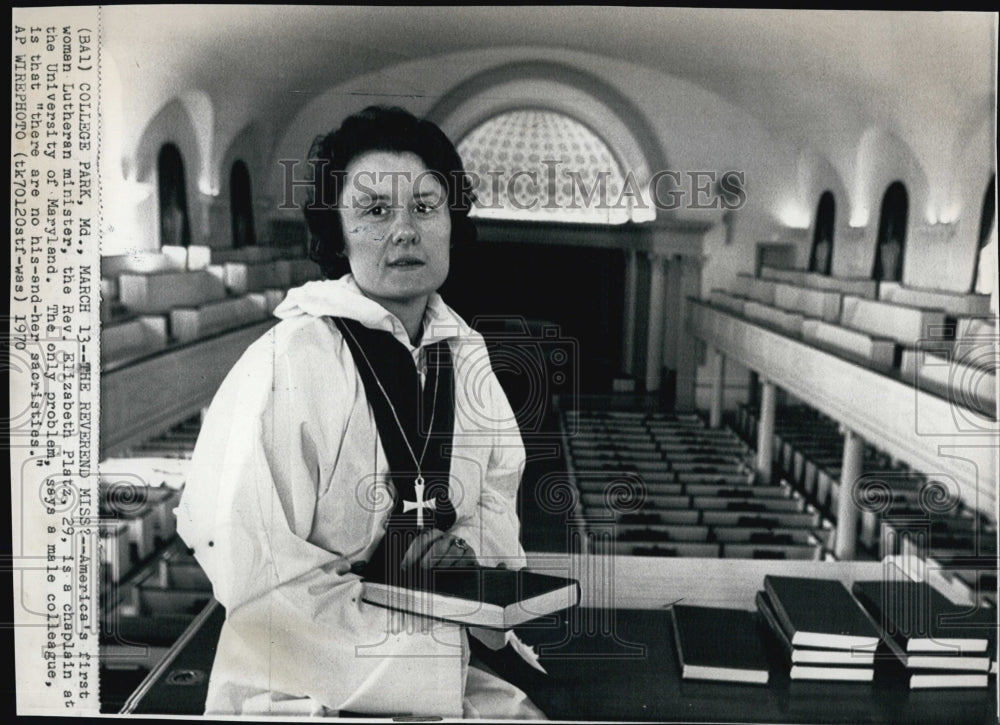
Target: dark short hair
{"type": "Point", "coordinates": [380, 128]}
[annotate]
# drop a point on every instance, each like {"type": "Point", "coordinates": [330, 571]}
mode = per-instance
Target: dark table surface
{"type": "Point", "coordinates": [622, 665]}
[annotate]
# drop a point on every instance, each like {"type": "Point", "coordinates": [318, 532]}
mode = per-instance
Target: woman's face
{"type": "Point", "coordinates": [397, 226]}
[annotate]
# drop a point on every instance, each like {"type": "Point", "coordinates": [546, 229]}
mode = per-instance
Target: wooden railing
{"type": "Point", "coordinates": [146, 397]}
{"type": "Point", "coordinates": [932, 434]}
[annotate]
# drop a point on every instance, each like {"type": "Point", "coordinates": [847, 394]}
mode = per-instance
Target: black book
{"type": "Point", "coordinates": [762, 522]}
{"type": "Point", "coordinates": [483, 597]}
{"type": "Point", "coordinates": [919, 619]}
{"type": "Point", "coordinates": [817, 664]}
{"type": "Point", "coordinates": [942, 680]}
{"type": "Point", "coordinates": [819, 613]}
{"type": "Point", "coordinates": [747, 506]}
{"type": "Point", "coordinates": [719, 644]}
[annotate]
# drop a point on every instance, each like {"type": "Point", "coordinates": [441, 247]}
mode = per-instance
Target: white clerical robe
{"type": "Point", "coordinates": [289, 486]}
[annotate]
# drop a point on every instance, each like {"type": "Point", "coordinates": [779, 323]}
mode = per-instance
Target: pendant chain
{"type": "Point", "coordinates": [437, 378]}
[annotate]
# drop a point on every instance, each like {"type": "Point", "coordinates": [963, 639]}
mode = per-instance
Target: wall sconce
{"type": "Point", "coordinates": [206, 188]}
{"type": "Point", "coordinates": [134, 193]}
{"type": "Point", "coordinates": [794, 217]}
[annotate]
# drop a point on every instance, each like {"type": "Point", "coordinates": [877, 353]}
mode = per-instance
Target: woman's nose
{"type": "Point", "coordinates": [405, 231]}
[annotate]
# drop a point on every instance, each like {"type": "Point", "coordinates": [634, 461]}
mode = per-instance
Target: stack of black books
{"type": "Point", "coordinates": [819, 628]}
{"type": "Point", "coordinates": [931, 641]}
{"type": "Point", "coordinates": [719, 644]}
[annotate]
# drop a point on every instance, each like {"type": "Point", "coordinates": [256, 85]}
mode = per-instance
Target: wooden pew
{"type": "Point", "coordinates": [653, 466]}
{"type": "Point", "coordinates": [769, 520]}
{"type": "Point", "coordinates": [781, 274]}
{"type": "Point", "coordinates": [110, 304]}
{"type": "Point", "coordinates": [192, 323]}
{"type": "Point", "coordinates": [650, 517]}
{"type": "Point", "coordinates": [727, 301]}
{"type": "Point", "coordinates": [710, 477]}
{"type": "Point", "coordinates": [139, 336]}
{"type": "Point", "coordinates": [159, 292]}
{"type": "Point", "coordinates": [248, 255]}
{"type": "Point", "coordinates": [715, 466]}
{"type": "Point", "coordinates": [147, 515]}
{"type": "Point", "coordinates": [244, 277]}
{"type": "Point", "coordinates": [822, 304]}
{"type": "Point", "coordinates": [859, 286]}
{"type": "Point", "coordinates": [976, 330]}
{"type": "Point", "coordinates": [193, 257]}
{"type": "Point", "coordinates": [876, 352]}
{"type": "Point", "coordinates": [116, 551]}
{"type": "Point", "coordinates": [736, 492]}
{"type": "Point", "coordinates": [587, 442]}
{"type": "Point", "coordinates": [601, 437]}
{"type": "Point", "coordinates": [660, 532]}
{"type": "Point", "coordinates": [789, 323]}
{"type": "Point", "coordinates": [813, 552]}
{"type": "Point", "coordinates": [684, 456]}
{"type": "Point", "coordinates": [652, 501]}
{"type": "Point", "coordinates": [274, 296]}
{"type": "Point", "coordinates": [591, 483]}
{"type": "Point", "coordinates": [693, 436]}
{"type": "Point", "coordinates": [302, 271]}
{"type": "Point", "coordinates": [678, 549]}
{"type": "Point", "coordinates": [958, 304]}
{"type": "Point", "coordinates": [761, 504]}
{"type": "Point", "coordinates": [960, 379]}
{"type": "Point", "coordinates": [754, 288]}
{"type": "Point", "coordinates": [747, 535]}
{"type": "Point", "coordinates": [138, 262]}
{"type": "Point", "coordinates": [585, 455]}
{"type": "Point", "coordinates": [902, 323]}
{"type": "Point", "coordinates": [829, 464]}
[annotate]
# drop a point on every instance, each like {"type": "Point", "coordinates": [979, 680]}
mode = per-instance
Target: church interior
{"type": "Point", "coordinates": [769, 348]}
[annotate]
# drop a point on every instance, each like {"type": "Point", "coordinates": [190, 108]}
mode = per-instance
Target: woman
{"type": "Point", "coordinates": [364, 434]}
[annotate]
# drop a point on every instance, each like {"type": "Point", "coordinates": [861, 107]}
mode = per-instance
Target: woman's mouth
{"type": "Point", "coordinates": [406, 263]}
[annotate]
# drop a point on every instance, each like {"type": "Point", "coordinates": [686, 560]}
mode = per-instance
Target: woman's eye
{"type": "Point", "coordinates": [424, 207]}
{"type": "Point", "coordinates": [377, 210]}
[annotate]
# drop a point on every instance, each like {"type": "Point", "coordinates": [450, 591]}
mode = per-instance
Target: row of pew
{"type": "Point", "coordinates": [139, 491]}
{"type": "Point", "coordinates": [902, 512]}
{"type": "Point", "coordinates": [654, 484]}
{"type": "Point", "coordinates": [152, 301]}
{"type": "Point", "coordinates": [153, 589]}
{"type": "Point", "coordinates": [943, 342]}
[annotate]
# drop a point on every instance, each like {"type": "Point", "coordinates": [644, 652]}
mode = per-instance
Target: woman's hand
{"type": "Point", "coordinates": [434, 548]}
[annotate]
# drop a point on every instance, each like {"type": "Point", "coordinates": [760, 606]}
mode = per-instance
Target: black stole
{"type": "Point", "coordinates": [426, 424]}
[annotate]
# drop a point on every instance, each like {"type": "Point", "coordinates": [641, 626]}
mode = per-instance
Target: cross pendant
{"type": "Point", "coordinates": [420, 504]}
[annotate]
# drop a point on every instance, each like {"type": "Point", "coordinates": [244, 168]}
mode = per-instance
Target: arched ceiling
{"type": "Point", "coordinates": [815, 77]}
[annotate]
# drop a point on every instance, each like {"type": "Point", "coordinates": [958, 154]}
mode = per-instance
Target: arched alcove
{"type": "Point", "coordinates": [175, 228]}
{"type": "Point", "coordinates": [821, 258]}
{"type": "Point", "coordinates": [540, 165]}
{"type": "Point", "coordinates": [541, 86]}
{"type": "Point", "coordinates": [891, 241]}
{"type": "Point", "coordinates": [241, 206]}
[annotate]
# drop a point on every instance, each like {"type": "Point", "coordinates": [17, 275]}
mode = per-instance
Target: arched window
{"type": "Point", "coordinates": [985, 262]}
{"type": "Point", "coordinates": [538, 165]}
{"type": "Point", "coordinates": [821, 258]}
{"type": "Point", "coordinates": [891, 244]}
{"type": "Point", "coordinates": [174, 226]}
{"type": "Point", "coordinates": [241, 206]}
